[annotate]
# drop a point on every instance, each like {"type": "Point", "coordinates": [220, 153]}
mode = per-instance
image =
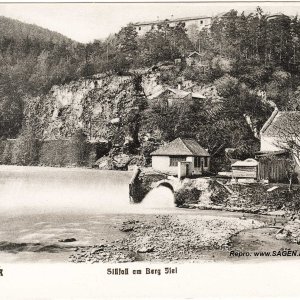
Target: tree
{"type": "Point", "coordinates": [193, 32]}
{"type": "Point", "coordinates": [164, 43]}
{"type": "Point", "coordinates": [127, 43]}
{"type": "Point", "coordinates": [290, 167]}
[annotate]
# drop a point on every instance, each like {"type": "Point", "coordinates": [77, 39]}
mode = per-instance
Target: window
{"type": "Point", "coordinates": [140, 28]}
{"type": "Point", "coordinates": [205, 162]}
{"type": "Point", "coordinates": [201, 22]}
{"type": "Point", "coordinates": [197, 162]}
{"type": "Point", "coordinates": [175, 159]}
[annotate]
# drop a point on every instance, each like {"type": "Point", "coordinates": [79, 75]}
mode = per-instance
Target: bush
{"type": "Point", "coordinates": [222, 65]}
{"type": "Point", "coordinates": [185, 196]}
{"type": "Point", "coordinates": [193, 73]}
{"type": "Point", "coordinates": [226, 85]}
{"type": "Point", "coordinates": [146, 148]}
{"type": "Point", "coordinates": [219, 194]}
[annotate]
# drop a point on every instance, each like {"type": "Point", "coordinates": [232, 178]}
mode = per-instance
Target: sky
{"type": "Point", "coordinates": [85, 22]}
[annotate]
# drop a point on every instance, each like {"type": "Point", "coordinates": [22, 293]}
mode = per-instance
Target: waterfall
{"type": "Point", "coordinates": [160, 197]}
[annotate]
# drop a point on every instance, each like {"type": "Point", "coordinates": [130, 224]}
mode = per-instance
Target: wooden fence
{"type": "Point", "coordinates": [274, 170]}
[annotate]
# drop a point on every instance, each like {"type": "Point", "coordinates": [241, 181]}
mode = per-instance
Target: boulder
{"type": "Point", "coordinates": [145, 249]}
{"type": "Point", "coordinates": [126, 228]}
{"type": "Point", "coordinates": [121, 161]}
{"type": "Point", "coordinates": [105, 163]}
{"type": "Point", "coordinates": [281, 236]}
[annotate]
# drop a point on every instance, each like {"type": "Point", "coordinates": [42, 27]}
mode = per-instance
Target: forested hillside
{"type": "Point", "coordinates": [253, 65]}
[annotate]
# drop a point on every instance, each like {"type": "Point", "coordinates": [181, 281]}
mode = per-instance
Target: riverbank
{"type": "Point", "coordinates": [211, 193]}
{"type": "Point", "coordinates": [166, 238]}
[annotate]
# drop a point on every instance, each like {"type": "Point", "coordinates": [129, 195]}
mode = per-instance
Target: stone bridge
{"type": "Point", "coordinates": [143, 182]}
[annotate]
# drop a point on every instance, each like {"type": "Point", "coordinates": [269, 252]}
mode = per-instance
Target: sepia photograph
{"type": "Point", "coordinates": [149, 134]}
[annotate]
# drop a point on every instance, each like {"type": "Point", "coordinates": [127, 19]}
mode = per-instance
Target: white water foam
{"type": "Point", "coordinates": [44, 190]}
{"type": "Point", "coordinates": [160, 197]}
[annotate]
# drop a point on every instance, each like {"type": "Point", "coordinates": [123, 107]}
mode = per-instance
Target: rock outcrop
{"type": "Point", "coordinates": [92, 104]}
{"type": "Point", "coordinates": [102, 105]}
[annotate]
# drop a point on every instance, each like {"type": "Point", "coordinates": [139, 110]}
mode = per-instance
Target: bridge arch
{"type": "Point", "coordinates": [167, 185]}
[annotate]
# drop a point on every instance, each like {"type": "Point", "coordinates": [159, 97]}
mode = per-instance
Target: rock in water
{"type": "Point", "coordinates": [69, 240]}
{"type": "Point", "coordinates": [126, 228]}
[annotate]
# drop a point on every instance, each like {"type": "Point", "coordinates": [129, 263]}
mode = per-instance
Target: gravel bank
{"type": "Point", "coordinates": [166, 238]}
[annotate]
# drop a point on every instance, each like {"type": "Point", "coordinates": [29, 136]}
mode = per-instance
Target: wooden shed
{"type": "Point", "coordinates": [273, 166]}
{"type": "Point", "coordinates": [245, 169]}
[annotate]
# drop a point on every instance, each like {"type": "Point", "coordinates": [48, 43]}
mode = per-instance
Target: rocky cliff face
{"type": "Point", "coordinates": [104, 106]}
{"type": "Point", "coordinates": [90, 104]}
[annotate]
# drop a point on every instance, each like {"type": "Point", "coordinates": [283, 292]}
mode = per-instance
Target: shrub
{"type": "Point", "coordinates": [193, 73]}
{"type": "Point", "coordinates": [146, 148]}
{"type": "Point", "coordinates": [219, 194]}
{"type": "Point", "coordinates": [184, 196]}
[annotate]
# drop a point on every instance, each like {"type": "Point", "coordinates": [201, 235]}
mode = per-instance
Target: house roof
{"type": "Point", "coordinates": [187, 147]}
{"type": "Point", "coordinates": [195, 53]}
{"type": "Point", "coordinates": [180, 94]}
{"type": "Point", "coordinates": [171, 20]}
{"type": "Point", "coordinates": [270, 153]}
{"type": "Point", "coordinates": [198, 96]}
{"type": "Point", "coordinates": [157, 94]}
{"type": "Point", "coordinates": [281, 123]}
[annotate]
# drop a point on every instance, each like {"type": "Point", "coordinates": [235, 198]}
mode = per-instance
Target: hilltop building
{"type": "Point", "coordinates": [200, 21]}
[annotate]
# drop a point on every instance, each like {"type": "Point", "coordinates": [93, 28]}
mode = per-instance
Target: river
{"type": "Point", "coordinates": [42, 206]}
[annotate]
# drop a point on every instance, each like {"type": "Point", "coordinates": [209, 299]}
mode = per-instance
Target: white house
{"type": "Point", "coordinates": [278, 129]}
{"type": "Point", "coordinates": [178, 153]}
{"type": "Point", "coordinates": [279, 137]}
